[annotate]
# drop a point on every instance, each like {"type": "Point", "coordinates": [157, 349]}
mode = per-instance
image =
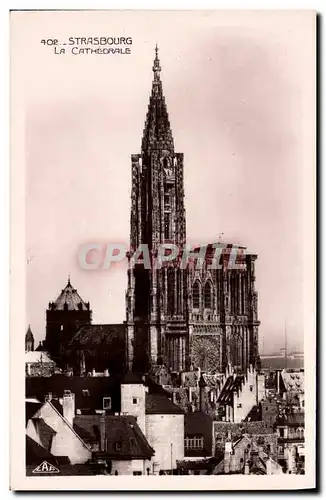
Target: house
{"type": "Point", "coordinates": [145, 407]}
{"type": "Point", "coordinates": [247, 455]}
{"type": "Point", "coordinates": [39, 364]}
{"type": "Point", "coordinates": [290, 429]}
{"type": "Point", "coordinates": [198, 436]}
{"type": "Point", "coordinates": [164, 431]}
{"type": "Point", "coordinates": [290, 386]}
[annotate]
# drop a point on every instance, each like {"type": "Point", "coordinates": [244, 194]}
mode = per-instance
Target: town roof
{"type": "Point", "coordinates": [293, 381]}
{"type": "Point", "coordinates": [70, 300]}
{"type": "Point", "coordinates": [159, 404]}
{"type": "Point", "coordinates": [118, 429]}
{"type": "Point", "coordinates": [196, 422]}
{"type": "Point", "coordinates": [231, 385]}
{"type": "Point", "coordinates": [89, 391]}
{"type": "Point", "coordinates": [131, 378]}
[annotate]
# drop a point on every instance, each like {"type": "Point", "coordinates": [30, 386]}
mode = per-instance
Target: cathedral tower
{"type": "Point", "coordinates": [181, 317]}
{"type": "Point", "coordinates": [155, 297]}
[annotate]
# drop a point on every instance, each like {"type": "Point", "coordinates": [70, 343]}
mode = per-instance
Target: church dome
{"type": "Point", "coordinates": [69, 300]}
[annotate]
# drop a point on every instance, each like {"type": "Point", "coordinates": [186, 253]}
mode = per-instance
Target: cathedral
{"type": "Point", "coordinates": [189, 317]}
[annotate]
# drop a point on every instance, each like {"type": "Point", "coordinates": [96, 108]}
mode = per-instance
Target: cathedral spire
{"type": "Point", "coordinates": [157, 132]}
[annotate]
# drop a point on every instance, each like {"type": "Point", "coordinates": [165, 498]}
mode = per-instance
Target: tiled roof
{"type": "Point", "coordinates": [121, 430]}
{"type": "Point", "coordinates": [159, 404]}
{"type": "Point", "coordinates": [293, 381]}
{"type": "Point", "coordinates": [69, 299]}
{"type": "Point", "coordinates": [221, 429]}
{"type": "Point", "coordinates": [100, 335]}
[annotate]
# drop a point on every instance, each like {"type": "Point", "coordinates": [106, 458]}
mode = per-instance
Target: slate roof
{"type": "Point", "coordinates": [131, 378]}
{"type": "Point", "coordinates": [159, 404]}
{"type": "Point", "coordinates": [123, 430]}
{"type": "Point", "coordinates": [69, 299]}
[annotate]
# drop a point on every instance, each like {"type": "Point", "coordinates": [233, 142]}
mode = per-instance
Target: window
{"type": "Point", "coordinates": [196, 295]}
{"type": "Point", "coordinates": [106, 403]}
{"type": "Point", "coordinates": [281, 432]}
{"type": "Point", "coordinates": [118, 446]}
{"type": "Point", "coordinates": [239, 405]}
{"type": "Point", "coordinates": [85, 392]}
{"type": "Point", "coordinates": [208, 295]}
{"type": "Point", "coordinates": [137, 473]}
{"type": "Point", "coordinates": [194, 443]}
{"type": "Point", "coordinates": [134, 401]}
{"type": "Point", "coordinates": [250, 387]}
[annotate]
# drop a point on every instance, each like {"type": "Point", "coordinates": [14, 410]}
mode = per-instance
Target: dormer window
{"type": "Point", "coordinates": [106, 403]}
{"type": "Point", "coordinates": [118, 446]}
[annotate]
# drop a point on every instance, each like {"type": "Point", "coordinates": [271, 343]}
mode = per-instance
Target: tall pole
{"type": "Point", "coordinates": [285, 347]}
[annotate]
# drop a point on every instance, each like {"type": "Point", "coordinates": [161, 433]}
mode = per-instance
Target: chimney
{"type": "Point", "coordinates": [183, 378]}
{"type": "Point", "coordinates": [227, 454]}
{"type": "Point", "coordinates": [202, 394]}
{"type": "Point", "coordinates": [69, 406]}
{"type": "Point", "coordinates": [93, 372]}
{"type": "Point", "coordinates": [269, 466]}
{"type": "Point", "coordinates": [246, 468]}
{"type": "Point", "coordinates": [48, 397]}
{"type": "Point", "coordinates": [102, 432]}
{"type": "Point", "coordinates": [106, 373]}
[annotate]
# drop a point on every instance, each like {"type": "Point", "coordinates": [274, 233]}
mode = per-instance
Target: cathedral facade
{"type": "Point", "coordinates": [181, 316]}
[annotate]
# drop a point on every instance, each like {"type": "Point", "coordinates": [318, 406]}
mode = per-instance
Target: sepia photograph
{"type": "Point", "coordinates": [163, 243]}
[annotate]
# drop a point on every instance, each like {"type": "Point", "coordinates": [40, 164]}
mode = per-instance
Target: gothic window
{"type": "Point", "coordinates": [171, 291]}
{"type": "Point", "coordinates": [208, 295]}
{"type": "Point", "coordinates": [167, 225]}
{"type": "Point", "coordinates": [196, 295]}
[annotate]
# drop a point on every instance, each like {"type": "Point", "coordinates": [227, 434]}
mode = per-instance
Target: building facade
{"type": "Point", "coordinates": [181, 315]}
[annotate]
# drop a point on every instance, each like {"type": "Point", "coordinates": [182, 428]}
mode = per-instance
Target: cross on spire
{"type": "Point", "coordinates": [157, 130]}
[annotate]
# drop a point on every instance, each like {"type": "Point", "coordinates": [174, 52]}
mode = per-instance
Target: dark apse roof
{"type": "Point", "coordinates": [159, 404]}
{"type": "Point", "coordinates": [99, 335]}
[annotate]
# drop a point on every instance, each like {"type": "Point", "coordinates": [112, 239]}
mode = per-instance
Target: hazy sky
{"type": "Point", "coordinates": [237, 85]}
